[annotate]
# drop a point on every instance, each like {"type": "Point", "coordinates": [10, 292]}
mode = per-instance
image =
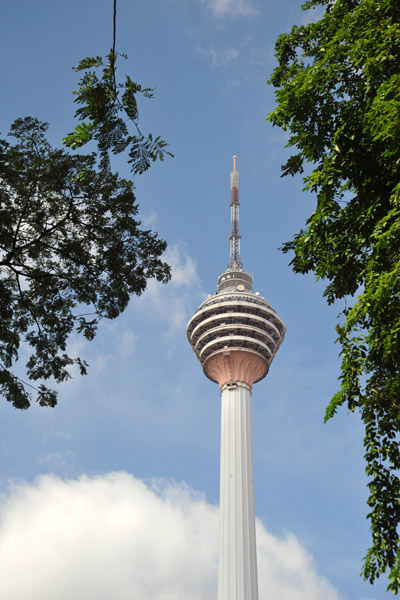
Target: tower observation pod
{"type": "Point", "coordinates": [235, 334]}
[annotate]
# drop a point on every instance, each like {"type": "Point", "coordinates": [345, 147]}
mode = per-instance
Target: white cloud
{"type": "Point", "coordinates": [183, 266]}
{"type": "Point", "coordinates": [150, 219]}
{"type": "Point", "coordinates": [126, 343]}
{"type": "Point", "coordinates": [231, 8]}
{"type": "Point", "coordinates": [58, 459]}
{"type": "Point", "coordinates": [287, 571]}
{"type": "Point", "coordinates": [312, 15]}
{"type": "Point", "coordinates": [114, 536]}
{"type": "Point", "coordinates": [223, 57]}
{"type": "Point", "coordinates": [172, 303]}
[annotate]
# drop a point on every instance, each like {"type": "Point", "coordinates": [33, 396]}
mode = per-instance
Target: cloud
{"type": "Point", "coordinates": [183, 266]}
{"type": "Point", "coordinates": [150, 219]}
{"type": "Point", "coordinates": [173, 303]}
{"type": "Point", "coordinates": [312, 15]}
{"type": "Point", "coordinates": [221, 57]}
{"type": "Point", "coordinates": [287, 571]}
{"type": "Point", "coordinates": [224, 56]}
{"type": "Point", "coordinates": [59, 459]}
{"type": "Point", "coordinates": [116, 537]}
{"type": "Point", "coordinates": [231, 8]}
{"type": "Point", "coordinates": [126, 343]}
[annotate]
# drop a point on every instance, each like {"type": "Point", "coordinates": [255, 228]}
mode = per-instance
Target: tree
{"type": "Point", "coordinates": [338, 94]}
{"type": "Point", "coordinates": [69, 239]}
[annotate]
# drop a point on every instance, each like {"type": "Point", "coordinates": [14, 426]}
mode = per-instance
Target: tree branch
{"type": "Point", "coordinates": [37, 240]}
{"type": "Point", "coordinates": [27, 306]}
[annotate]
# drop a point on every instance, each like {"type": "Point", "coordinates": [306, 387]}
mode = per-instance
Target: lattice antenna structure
{"type": "Point", "coordinates": [234, 239]}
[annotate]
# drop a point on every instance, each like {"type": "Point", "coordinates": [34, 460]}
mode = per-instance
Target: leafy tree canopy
{"type": "Point", "coordinates": [338, 94]}
{"type": "Point", "coordinates": [71, 247]}
{"type": "Point", "coordinates": [69, 239]}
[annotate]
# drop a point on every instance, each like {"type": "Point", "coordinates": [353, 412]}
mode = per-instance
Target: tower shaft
{"type": "Point", "coordinates": [237, 577]}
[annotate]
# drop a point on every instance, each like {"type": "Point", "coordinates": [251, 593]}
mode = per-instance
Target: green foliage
{"type": "Point", "coordinates": [338, 95]}
{"type": "Point", "coordinates": [106, 109]}
{"type": "Point", "coordinates": [71, 252]}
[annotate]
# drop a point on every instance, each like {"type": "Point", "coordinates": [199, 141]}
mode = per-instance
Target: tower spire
{"type": "Point", "coordinates": [234, 238]}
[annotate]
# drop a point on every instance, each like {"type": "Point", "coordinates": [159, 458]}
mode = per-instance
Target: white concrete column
{"type": "Point", "coordinates": [237, 577]}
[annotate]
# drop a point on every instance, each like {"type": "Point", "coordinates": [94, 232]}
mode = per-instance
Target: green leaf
{"type": "Point", "coordinates": [337, 83]}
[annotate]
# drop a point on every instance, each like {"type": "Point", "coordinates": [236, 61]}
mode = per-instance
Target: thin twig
{"type": "Point", "coordinates": [24, 303]}
{"type": "Point", "coordinates": [18, 378]}
{"type": "Point", "coordinates": [113, 47]}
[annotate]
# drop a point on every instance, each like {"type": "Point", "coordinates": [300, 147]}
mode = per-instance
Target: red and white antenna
{"type": "Point", "coordinates": [234, 238]}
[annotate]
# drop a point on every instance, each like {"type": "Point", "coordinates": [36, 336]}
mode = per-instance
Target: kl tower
{"type": "Point", "coordinates": [235, 334]}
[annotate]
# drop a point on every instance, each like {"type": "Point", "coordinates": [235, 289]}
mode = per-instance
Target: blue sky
{"type": "Point", "coordinates": [114, 493]}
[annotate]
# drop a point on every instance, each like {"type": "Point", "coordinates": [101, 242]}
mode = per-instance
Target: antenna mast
{"type": "Point", "coordinates": [234, 238]}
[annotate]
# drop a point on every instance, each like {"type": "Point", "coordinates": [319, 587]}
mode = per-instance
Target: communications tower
{"type": "Point", "coordinates": [235, 334]}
